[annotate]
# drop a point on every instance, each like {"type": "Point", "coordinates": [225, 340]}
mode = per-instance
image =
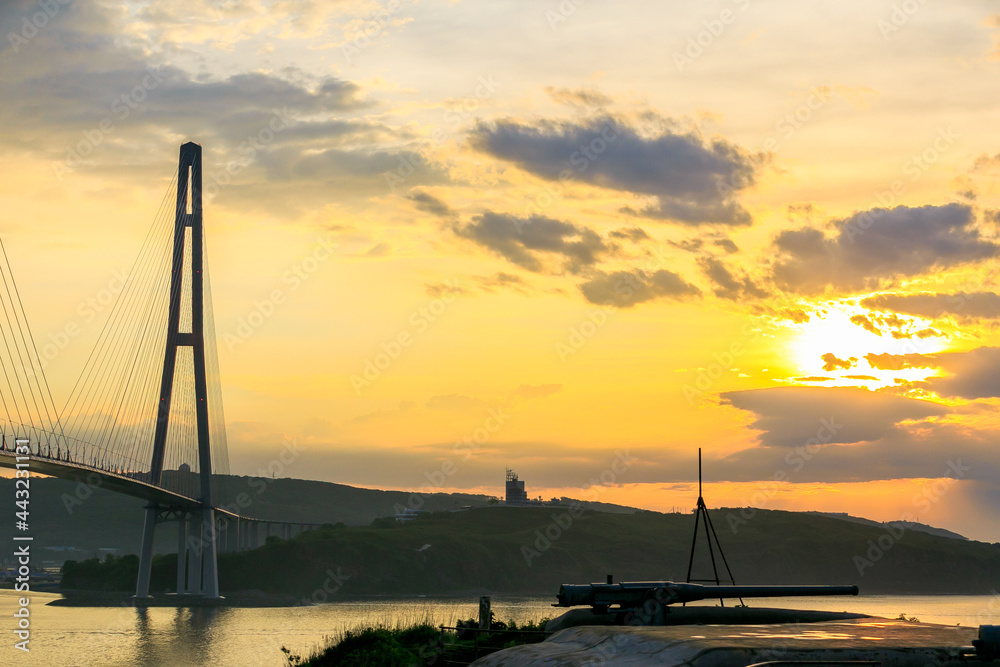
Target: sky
{"type": "Point", "coordinates": [577, 239]}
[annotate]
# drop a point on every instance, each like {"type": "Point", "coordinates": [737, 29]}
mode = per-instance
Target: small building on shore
{"type": "Point", "coordinates": [516, 494]}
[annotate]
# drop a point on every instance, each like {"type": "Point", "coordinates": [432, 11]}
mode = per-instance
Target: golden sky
{"type": "Point", "coordinates": [468, 235]}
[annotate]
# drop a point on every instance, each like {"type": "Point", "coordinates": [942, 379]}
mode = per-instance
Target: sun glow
{"type": "Point", "coordinates": [834, 332]}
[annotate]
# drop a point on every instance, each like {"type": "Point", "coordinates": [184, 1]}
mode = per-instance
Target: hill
{"type": "Point", "coordinates": [534, 550]}
{"type": "Point", "coordinates": [73, 521]}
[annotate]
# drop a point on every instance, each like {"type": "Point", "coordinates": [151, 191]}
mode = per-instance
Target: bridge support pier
{"type": "Point", "coordinates": [181, 553]}
{"type": "Point", "coordinates": [194, 551]}
{"type": "Point", "coordinates": [146, 555]}
{"type": "Point", "coordinates": [210, 561]}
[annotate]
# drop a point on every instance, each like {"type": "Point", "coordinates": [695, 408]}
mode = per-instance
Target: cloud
{"type": "Point", "coordinates": [897, 362]}
{"type": "Point", "coordinates": [634, 234]}
{"type": "Point", "coordinates": [588, 98]}
{"type": "Point", "coordinates": [727, 286]}
{"type": "Point", "coordinates": [727, 245]}
{"type": "Point", "coordinates": [926, 450]}
{"type": "Point", "coordinates": [92, 94]}
{"type": "Point", "coordinates": [378, 250]}
{"type": "Point", "coordinates": [796, 315]}
{"type": "Point", "coordinates": [972, 375]}
{"type": "Point", "coordinates": [832, 363]}
{"type": "Point", "coordinates": [878, 245]}
{"type": "Point", "coordinates": [866, 324]}
{"type": "Point", "coordinates": [963, 305]}
{"type": "Point", "coordinates": [501, 280]}
{"type": "Point", "coordinates": [523, 240]}
{"type": "Point", "coordinates": [794, 416]}
{"type": "Point", "coordinates": [430, 204]}
{"type": "Point", "coordinates": [624, 289]}
{"type": "Point", "coordinates": [693, 178]}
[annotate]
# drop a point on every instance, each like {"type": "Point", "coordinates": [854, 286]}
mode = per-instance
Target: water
{"type": "Point", "coordinates": [123, 636]}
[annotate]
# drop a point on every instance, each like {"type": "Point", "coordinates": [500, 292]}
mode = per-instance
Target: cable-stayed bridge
{"type": "Point", "coordinates": [145, 415]}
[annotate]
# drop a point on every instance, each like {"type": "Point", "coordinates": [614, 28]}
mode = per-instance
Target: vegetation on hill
{"type": "Point", "coordinates": [534, 550]}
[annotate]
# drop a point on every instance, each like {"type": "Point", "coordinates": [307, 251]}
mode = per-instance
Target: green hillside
{"type": "Point", "coordinates": [533, 550]}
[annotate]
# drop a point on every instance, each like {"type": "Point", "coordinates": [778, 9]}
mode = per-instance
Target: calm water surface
{"type": "Point", "coordinates": [161, 636]}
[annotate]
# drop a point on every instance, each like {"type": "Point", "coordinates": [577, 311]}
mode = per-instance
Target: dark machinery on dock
{"type": "Point", "coordinates": [629, 596]}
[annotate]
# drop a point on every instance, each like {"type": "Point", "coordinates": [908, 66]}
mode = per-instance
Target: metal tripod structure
{"type": "Point", "coordinates": [198, 573]}
{"type": "Point", "coordinates": [701, 516]}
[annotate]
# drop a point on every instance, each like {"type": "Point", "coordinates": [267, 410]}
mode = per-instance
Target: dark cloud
{"type": "Point", "coordinates": [430, 204]}
{"type": "Point", "coordinates": [588, 98]}
{"type": "Point", "coordinates": [986, 161]}
{"type": "Point", "coordinates": [83, 96]}
{"type": "Point", "coordinates": [523, 240]}
{"type": "Point", "coordinates": [861, 377]}
{"type": "Point", "coordinates": [794, 416]}
{"type": "Point", "coordinates": [796, 315]}
{"type": "Point", "coordinates": [963, 305]}
{"type": "Point", "coordinates": [693, 178]}
{"type": "Point", "coordinates": [832, 363]}
{"type": "Point", "coordinates": [972, 375]}
{"type": "Point", "coordinates": [728, 286]}
{"type": "Point", "coordinates": [624, 289]}
{"type": "Point", "coordinates": [878, 245]}
{"type": "Point", "coordinates": [931, 450]}
{"type": "Point", "coordinates": [727, 245]}
{"type": "Point", "coordinates": [813, 378]}
{"type": "Point", "coordinates": [691, 245]}
{"type": "Point", "coordinates": [897, 362]}
{"type": "Point", "coordinates": [866, 324]}
{"type": "Point", "coordinates": [501, 280]}
{"type": "Point", "coordinates": [634, 234]}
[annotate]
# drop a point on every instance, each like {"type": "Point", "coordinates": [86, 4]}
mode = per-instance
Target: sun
{"type": "Point", "coordinates": [832, 331]}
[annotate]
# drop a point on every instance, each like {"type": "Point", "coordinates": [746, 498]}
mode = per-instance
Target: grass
{"type": "Point", "coordinates": [402, 643]}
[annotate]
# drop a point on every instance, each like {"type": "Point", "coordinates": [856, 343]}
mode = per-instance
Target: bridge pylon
{"type": "Point", "coordinates": [197, 565]}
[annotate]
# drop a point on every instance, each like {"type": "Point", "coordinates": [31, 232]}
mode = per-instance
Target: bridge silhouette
{"type": "Point", "coordinates": [145, 418]}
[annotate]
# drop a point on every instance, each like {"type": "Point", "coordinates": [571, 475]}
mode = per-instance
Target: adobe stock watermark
{"type": "Point", "coordinates": [581, 159]}
{"type": "Point", "coordinates": [562, 12]}
{"type": "Point", "coordinates": [467, 447]}
{"type": "Point", "coordinates": [785, 128]}
{"type": "Point", "coordinates": [332, 584]}
{"type": "Point", "coordinates": [923, 501]}
{"type": "Point", "coordinates": [699, 43]}
{"type": "Point", "coordinates": [722, 363]}
{"type": "Point", "coordinates": [461, 111]}
{"type": "Point", "coordinates": [796, 459]}
{"type": "Point", "coordinates": [373, 26]}
{"type": "Point", "coordinates": [248, 149]}
{"type": "Point", "coordinates": [914, 167]}
{"type": "Point", "coordinates": [56, 342]}
{"type": "Point", "coordinates": [301, 270]}
{"type": "Point", "coordinates": [900, 16]}
{"type": "Point", "coordinates": [626, 289]}
{"type": "Point", "coordinates": [121, 108]}
{"type": "Point", "coordinates": [33, 23]}
{"type": "Point", "coordinates": [551, 533]}
{"type": "Point", "coordinates": [390, 350]}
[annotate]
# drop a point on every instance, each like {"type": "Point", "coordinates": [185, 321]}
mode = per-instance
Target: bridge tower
{"type": "Point", "coordinates": [198, 526]}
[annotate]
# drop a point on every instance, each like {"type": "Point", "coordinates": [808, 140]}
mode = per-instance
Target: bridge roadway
{"type": "Point", "coordinates": [138, 488]}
